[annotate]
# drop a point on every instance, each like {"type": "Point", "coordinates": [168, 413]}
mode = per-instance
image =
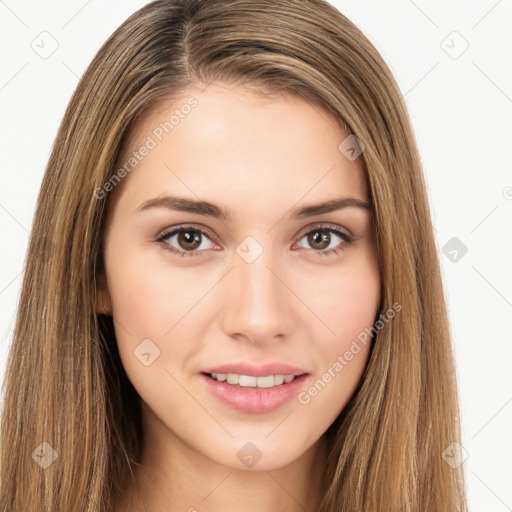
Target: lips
{"type": "Point", "coordinates": [247, 398]}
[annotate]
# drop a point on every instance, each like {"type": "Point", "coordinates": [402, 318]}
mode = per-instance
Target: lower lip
{"type": "Point", "coordinates": [254, 400]}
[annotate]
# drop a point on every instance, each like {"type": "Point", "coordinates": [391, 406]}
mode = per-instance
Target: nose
{"type": "Point", "coordinates": [258, 305]}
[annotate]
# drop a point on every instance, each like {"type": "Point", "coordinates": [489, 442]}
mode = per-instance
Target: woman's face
{"type": "Point", "coordinates": [262, 285]}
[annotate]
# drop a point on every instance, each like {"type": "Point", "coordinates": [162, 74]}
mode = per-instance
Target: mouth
{"type": "Point", "coordinates": [253, 394]}
{"type": "Point", "coordinates": [253, 381]}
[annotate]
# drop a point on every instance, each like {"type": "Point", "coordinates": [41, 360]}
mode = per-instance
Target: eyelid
{"type": "Point", "coordinates": [326, 225]}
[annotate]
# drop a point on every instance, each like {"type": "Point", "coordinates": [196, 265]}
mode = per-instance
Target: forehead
{"type": "Point", "coordinates": [224, 139]}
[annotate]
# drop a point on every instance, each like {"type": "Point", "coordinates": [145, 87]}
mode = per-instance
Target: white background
{"type": "Point", "coordinates": [461, 110]}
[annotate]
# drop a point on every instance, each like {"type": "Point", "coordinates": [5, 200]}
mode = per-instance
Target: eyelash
{"type": "Point", "coordinates": [347, 239]}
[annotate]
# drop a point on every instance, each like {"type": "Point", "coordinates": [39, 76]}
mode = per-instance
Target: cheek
{"type": "Point", "coordinates": [155, 299]}
{"type": "Point", "coordinates": [149, 292]}
{"type": "Point", "coordinates": [346, 301]}
{"type": "Point", "coordinates": [348, 306]}
{"type": "Point", "coordinates": [144, 299]}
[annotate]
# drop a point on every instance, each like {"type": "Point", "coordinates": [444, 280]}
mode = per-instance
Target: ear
{"type": "Point", "coordinates": [103, 299]}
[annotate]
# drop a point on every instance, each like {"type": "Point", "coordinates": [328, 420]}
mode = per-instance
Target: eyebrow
{"type": "Point", "coordinates": [182, 204]}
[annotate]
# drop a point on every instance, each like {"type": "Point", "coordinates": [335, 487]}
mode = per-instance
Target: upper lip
{"type": "Point", "coordinates": [253, 370]}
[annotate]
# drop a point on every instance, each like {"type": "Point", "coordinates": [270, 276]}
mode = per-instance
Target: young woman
{"type": "Point", "coordinates": [232, 297]}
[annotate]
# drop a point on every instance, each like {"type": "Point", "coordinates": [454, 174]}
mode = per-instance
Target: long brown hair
{"type": "Point", "coordinates": [65, 384]}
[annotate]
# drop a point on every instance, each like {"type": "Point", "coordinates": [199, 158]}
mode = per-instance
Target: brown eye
{"type": "Point", "coordinates": [186, 241]}
{"type": "Point", "coordinates": [322, 237]}
{"type": "Point", "coordinates": [319, 239]}
{"type": "Point", "coordinates": [189, 240]}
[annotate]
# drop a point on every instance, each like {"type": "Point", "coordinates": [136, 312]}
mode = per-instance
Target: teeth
{"type": "Point", "coordinates": [232, 378]}
{"type": "Point", "coordinates": [279, 379]}
{"type": "Point", "coordinates": [252, 381]}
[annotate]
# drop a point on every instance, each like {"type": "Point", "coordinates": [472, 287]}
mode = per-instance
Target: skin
{"type": "Point", "coordinates": [260, 157]}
